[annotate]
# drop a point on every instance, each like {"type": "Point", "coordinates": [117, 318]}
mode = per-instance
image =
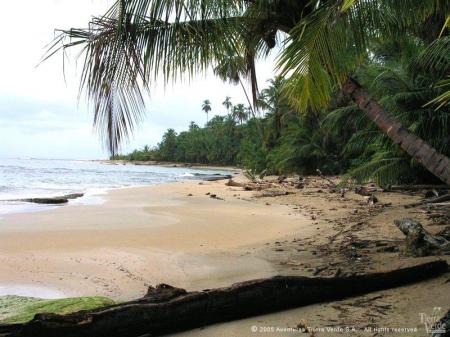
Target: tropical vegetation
{"type": "Point", "coordinates": [363, 85]}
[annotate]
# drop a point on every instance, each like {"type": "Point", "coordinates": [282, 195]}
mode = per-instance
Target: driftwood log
{"type": "Point", "coordinates": [436, 200]}
{"type": "Point", "coordinates": [250, 186]}
{"type": "Point", "coordinates": [51, 200]}
{"type": "Point", "coordinates": [420, 242]}
{"type": "Point", "coordinates": [214, 177]}
{"type": "Point", "coordinates": [417, 187]}
{"type": "Point", "coordinates": [272, 194]}
{"type": "Point", "coordinates": [166, 309]}
{"type": "Point", "coordinates": [233, 183]}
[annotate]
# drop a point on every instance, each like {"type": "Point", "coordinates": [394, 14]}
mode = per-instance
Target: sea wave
{"type": "Point", "coordinates": [34, 178]}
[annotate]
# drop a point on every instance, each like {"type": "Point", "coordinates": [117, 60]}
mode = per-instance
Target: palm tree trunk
{"type": "Point", "coordinates": [429, 157]}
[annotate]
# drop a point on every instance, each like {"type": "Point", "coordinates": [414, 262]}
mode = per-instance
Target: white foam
{"type": "Point", "coordinates": [31, 291]}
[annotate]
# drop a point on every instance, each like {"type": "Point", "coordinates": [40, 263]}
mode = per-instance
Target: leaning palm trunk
{"type": "Point", "coordinates": [429, 157]}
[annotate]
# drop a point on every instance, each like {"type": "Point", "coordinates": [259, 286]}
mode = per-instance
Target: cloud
{"type": "Point", "coordinates": [40, 115]}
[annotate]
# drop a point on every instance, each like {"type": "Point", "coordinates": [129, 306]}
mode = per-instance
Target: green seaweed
{"type": "Point", "coordinates": [18, 309]}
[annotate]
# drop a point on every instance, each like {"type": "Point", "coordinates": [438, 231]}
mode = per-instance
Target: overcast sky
{"type": "Point", "coordinates": [40, 115]}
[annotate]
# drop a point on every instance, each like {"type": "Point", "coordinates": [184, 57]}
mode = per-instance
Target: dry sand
{"type": "Point", "coordinates": [178, 234]}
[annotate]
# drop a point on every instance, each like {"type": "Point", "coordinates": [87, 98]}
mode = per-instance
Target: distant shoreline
{"type": "Point", "coordinates": [169, 164]}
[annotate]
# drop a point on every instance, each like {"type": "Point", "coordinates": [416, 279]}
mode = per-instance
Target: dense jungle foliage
{"type": "Point", "coordinates": [336, 140]}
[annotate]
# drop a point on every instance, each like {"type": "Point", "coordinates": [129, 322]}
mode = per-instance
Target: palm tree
{"type": "Point", "coordinates": [206, 107]}
{"type": "Point", "coordinates": [240, 113]}
{"type": "Point", "coordinates": [227, 104]}
{"type": "Point", "coordinates": [137, 40]}
{"type": "Point", "coordinates": [232, 69]}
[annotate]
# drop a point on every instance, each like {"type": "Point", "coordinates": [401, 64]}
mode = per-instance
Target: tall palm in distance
{"type": "Point", "coordinates": [240, 113]}
{"type": "Point", "coordinates": [206, 107]}
{"type": "Point", "coordinates": [326, 41]}
{"type": "Point", "coordinates": [227, 104]}
{"type": "Point", "coordinates": [233, 69]}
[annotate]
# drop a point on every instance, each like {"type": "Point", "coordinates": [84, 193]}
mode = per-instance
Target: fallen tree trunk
{"type": "Point", "coordinates": [417, 187]}
{"type": "Point", "coordinates": [436, 200]}
{"type": "Point", "coordinates": [213, 177]}
{"type": "Point", "coordinates": [420, 242]}
{"type": "Point", "coordinates": [252, 186]}
{"type": "Point", "coordinates": [272, 194]}
{"type": "Point", "coordinates": [167, 309]}
{"type": "Point", "coordinates": [51, 200]}
{"type": "Point", "coordinates": [233, 183]}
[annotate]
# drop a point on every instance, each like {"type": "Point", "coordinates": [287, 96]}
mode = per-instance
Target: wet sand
{"type": "Point", "coordinates": [140, 237]}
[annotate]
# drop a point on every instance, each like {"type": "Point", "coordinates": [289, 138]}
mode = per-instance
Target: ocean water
{"type": "Point", "coordinates": [31, 178]}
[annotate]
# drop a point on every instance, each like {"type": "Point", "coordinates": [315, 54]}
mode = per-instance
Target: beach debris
{"type": "Point", "coordinates": [303, 327]}
{"type": "Point", "coordinates": [233, 183]}
{"type": "Point", "coordinates": [420, 242]}
{"type": "Point", "coordinates": [331, 182]}
{"type": "Point", "coordinates": [272, 193]}
{"type": "Point", "coordinates": [371, 200]}
{"type": "Point", "coordinates": [300, 185]}
{"type": "Point", "coordinates": [155, 313]}
{"type": "Point", "coordinates": [163, 293]}
{"type": "Point", "coordinates": [318, 270]}
{"type": "Point", "coordinates": [216, 177]}
{"type": "Point", "coordinates": [364, 191]}
{"type": "Point", "coordinates": [214, 196]}
{"type": "Point", "coordinates": [431, 193]}
{"type": "Point", "coordinates": [51, 200]}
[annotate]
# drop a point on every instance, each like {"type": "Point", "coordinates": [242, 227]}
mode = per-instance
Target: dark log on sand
{"type": "Point", "coordinates": [417, 187]}
{"type": "Point", "coordinates": [254, 186]}
{"type": "Point", "coordinates": [272, 194]}
{"type": "Point", "coordinates": [233, 183]}
{"type": "Point", "coordinates": [212, 177]}
{"type": "Point", "coordinates": [167, 309]}
{"type": "Point", "coordinates": [420, 242]}
{"type": "Point", "coordinates": [436, 200]}
{"type": "Point", "coordinates": [51, 200]}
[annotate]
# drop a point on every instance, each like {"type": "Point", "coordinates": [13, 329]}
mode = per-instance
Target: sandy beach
{"type": "Point", "coordinates": [143, 236]}
{"type": "Point", "coordinates": [177, 234]}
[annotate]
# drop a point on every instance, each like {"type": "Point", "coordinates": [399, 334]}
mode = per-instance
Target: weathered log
{"type": "Point", "coordinates": [417, 187]}
{"type": "Point", "coordinates": [436, 200]}
{"type": "Point", "coordinates": [233, 183]}
{"type": "Point", "coordinates": [420, 242]}
{"type": "Point", "coordinates": [252, 186]}
{"type": "Point", "coordinates": [271, 194]}
{"type": "Point", "coordinates": [214, 177]}
{"type": "Point", "coordinates": [365, 192]}
{"type": "Point", "coordinates": [176, 310]}
{"type": "Point", "coordinates": [51, 200]}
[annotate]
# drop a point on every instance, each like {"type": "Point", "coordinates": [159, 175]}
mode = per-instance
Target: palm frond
{"type": "Point", "coordinates": [140, 41]}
